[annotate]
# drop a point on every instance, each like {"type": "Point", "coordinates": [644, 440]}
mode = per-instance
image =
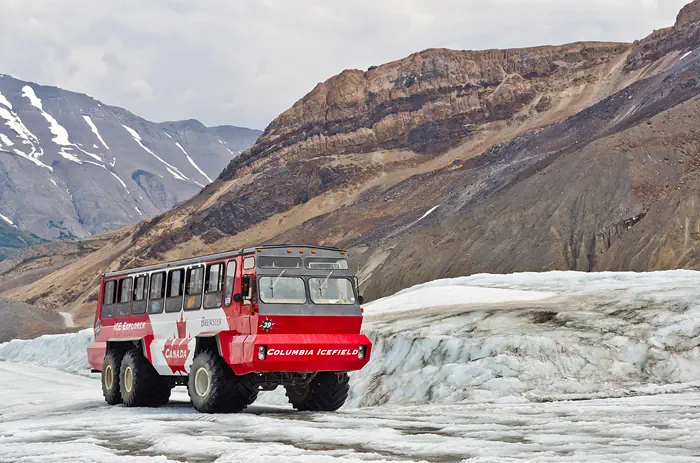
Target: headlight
{"type": "Point", "coordinates": [262, 352]}
{"type": "Point", "coordinates": [361, 352]}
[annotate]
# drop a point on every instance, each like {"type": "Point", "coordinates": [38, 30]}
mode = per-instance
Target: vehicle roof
{"type": "Point", "coordinates": [211, 257]}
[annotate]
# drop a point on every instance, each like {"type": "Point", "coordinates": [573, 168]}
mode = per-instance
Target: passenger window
{"type": "Point", "coordinates": [193, 288]}
{"type": "Point", "coordinates": [109, 299]}
{"type": "Point", "coordinates": [249, 263]}
{"type": "Point", "coordinates": [140, 293]}
{"type": "Point", "coordinates": [230, 278]}
{"type": "Point", "coordinates": [248, 290]}
{"type": "Point", "coordinates": [212, 286]}
{"type": "Point", "coordinates": [124, 297]}
{"type": "Point", "coordinates": [176, 283]}
{"type": "Point", "coordinates": [156, 293]}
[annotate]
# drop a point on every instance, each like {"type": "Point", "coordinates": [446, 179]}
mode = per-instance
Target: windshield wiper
{"type": "Point", "coordinates": [274, 283]}
{"type": "Point", "coordinates": [324, 283]}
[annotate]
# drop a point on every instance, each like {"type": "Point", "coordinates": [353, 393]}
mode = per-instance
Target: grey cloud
{"type": "Point", "coordinates": [242, 61]}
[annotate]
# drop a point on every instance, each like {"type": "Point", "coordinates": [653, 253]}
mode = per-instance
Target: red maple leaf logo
{"type": "Point", "coordinates": [181, 326]}
{"type": "Point", "coordinates": [176, 350]}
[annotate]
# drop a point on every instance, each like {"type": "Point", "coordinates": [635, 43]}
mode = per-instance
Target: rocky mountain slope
{"type": "Point", "coordinates": [71, 167]}
{"type": "Point", "coordinates": [447, 163]}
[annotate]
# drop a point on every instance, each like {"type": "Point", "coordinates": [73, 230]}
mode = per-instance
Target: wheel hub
{"type": "Point", "coordinates": [128, 379]}
{"type": "Point", "coordinates": [202, 382]}
{"type": "Point", "coordinates": [108, 376]}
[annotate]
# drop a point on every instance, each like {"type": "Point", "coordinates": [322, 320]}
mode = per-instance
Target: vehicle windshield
{"type": "Point", "coordinates": [282, 290]}
{"type": "Point", "coordinates": [331, 291]}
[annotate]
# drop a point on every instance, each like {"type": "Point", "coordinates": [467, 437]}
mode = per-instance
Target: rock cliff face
{"type": "Point", "coordinates": [447, 163]}
{"type": "Point", "coordinates": [429, 101]}
{"type": "Point", "coordinates": [425, 104]}
{"type": "Point", "coordinates": [683, 36]}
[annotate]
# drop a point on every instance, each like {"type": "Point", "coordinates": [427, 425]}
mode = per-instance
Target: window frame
{"type": "Point", "coordinates": [262, 259]}
{"type": "Point", "coordinates": [200, 294]}
{"type": "Point", "coordinates": [352, 287]}
{"type": "Point", "coordinates": [113, 304]}
{"type": "Point", "coordinates": [142, 304]}
{"type": "Point", "coordinates": [221, 284]}
{"type": "Point", "coordinates": [309, 260]}
{"type": "Point", "coordinates": [168, 288]}
{"type": "Point", "coordinates": [163, 288]}
{"type": "Point", "coordinates": [228, 292]}
{"type": "Point", "coordinates": [303, 285]}
{"type": "Point", "coordinates": [121, 305]}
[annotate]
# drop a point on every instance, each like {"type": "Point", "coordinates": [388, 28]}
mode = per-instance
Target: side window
{"type": "Point", "coordinates": [156, 293]}
{"type": "Point", "coordinates": [140, 293]}
{"type": "Point", "coordinates": [212, 285]}
{"type": "Point", "coordinates": [176, 283]}
{"type": "Point", "coordinates": [126, 286]}
{"type": "Point", "coordinates": [249, 263]}
{"type": "Point", "coordinates": [109, 299]}
{"type": "Point", "coordinates": [248, 290]}
{"type": "Point", "coordinates": [193, 288]}
{"type": "Point", "coordinates": [230, 278]}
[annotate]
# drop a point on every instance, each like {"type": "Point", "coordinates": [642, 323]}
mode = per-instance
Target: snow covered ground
{"type": "Point", "coordinates": [54, 416]}
{"type": "Point", "coordinates": [488, 367]}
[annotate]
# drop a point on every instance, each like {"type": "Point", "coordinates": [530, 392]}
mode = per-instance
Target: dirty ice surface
{"type": "Point", "coordinates": [577, 367]}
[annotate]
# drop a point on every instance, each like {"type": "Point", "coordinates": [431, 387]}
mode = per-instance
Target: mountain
{"type": "Point", "coordinates": [446, 163]}
{"type": "Point", "coordinates": [12, 239]}
{"type": "Point", "coordinates": [72, 167]}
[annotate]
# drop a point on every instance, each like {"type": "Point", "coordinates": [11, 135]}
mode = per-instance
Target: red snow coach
{"type": "Point", "coordinates": [229, 325]}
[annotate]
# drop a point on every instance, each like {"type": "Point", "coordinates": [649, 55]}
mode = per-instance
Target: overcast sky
{"type": "Point", "coordinates": [242, 62]}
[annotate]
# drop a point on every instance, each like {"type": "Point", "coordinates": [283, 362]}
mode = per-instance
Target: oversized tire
{"type": "Point", "coordinates": [327, 392]}
{"type": "Point", "coordinates": [141, 385]}
{"type": "Point", "coordinates": [214, 388]}
{"type": "Point", "coordinates": [111, 369]}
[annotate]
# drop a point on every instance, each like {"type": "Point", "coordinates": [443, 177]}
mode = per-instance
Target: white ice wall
{"type": "Point", "coordinates": [519, 337]}
{"type": "Point", "coordinates": [67, 352]}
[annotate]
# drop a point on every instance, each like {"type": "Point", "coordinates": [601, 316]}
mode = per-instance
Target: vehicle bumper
{"type": "Point", "coordinates": [96, 354]}
{"type": "Point", "coordinates": [299, 353]}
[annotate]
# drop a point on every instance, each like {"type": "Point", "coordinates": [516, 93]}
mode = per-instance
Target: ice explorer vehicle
{"type": "Point", "coordinates": [230, 325]}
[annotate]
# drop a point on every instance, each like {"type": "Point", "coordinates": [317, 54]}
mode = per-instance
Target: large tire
{"type": "Point", "coordinates": [141, 385]}
{"type": "Point", "coordinates": [111, 369]}
{"type": "Point", "coordinates": [214, 388]}
{"type": "Point", "coordinates": [327, 392]}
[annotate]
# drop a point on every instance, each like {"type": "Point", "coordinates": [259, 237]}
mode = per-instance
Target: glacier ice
{"type": "Point", "coordinates": [518, 338]}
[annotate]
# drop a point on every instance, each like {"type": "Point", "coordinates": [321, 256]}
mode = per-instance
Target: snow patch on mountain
{"type": "Point", "coordinates": [120, 181]}
{"type": "Point", "coordinates": [6, 140]}
{"type": "Point", "coordinates": [113, 174]}
{"type": "Point", "coordinates": [10, 222]}
{"type": "Point", "coordinates": [15, 123]}
{"type": "Point", "coordinates": [93, 127]}
{"type": "Point", "coordinates": [30, 157]}
{"type": "Point", "coordinates": [191, 161]}
{"type": "Point", "coordinates": [428, 213]}
{"type": "Point", "coordinates": [59, 132]}
{"type": "Point", "coordinates": [4, 101]}
{"type": "Point", "coordinates": [170, 168]}
{"type": "Point", "coordinates": [61, 137]}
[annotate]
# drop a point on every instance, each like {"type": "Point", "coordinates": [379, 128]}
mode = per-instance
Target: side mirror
{"type": "Point", "coordinates": [360, 300]}
{"type": "Point", "coordinates": [237, 297]}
